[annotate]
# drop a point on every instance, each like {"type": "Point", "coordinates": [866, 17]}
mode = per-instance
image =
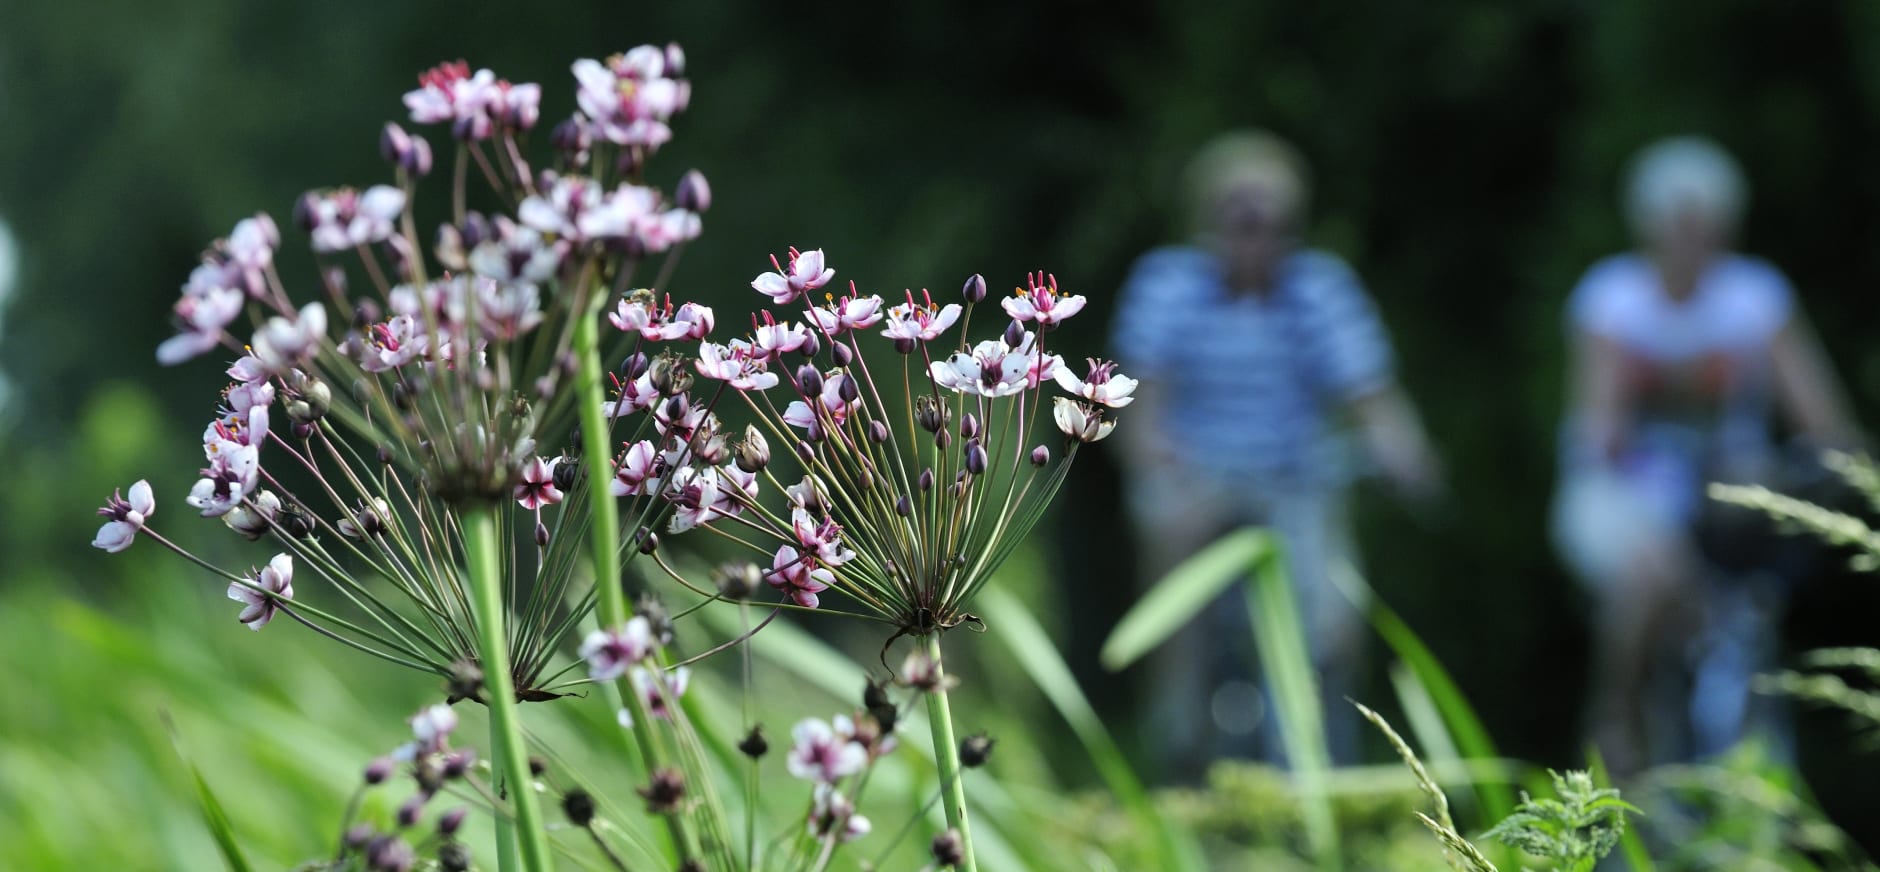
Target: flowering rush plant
{"type": "Point", "coordinates": [430, 441]}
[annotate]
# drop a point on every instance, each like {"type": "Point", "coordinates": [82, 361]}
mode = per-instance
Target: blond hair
{"type": "Point", "coordinates": [1254, 159]}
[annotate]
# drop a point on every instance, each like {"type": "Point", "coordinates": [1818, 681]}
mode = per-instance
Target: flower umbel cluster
{"type": "Point", "coordinates": [423, 373]}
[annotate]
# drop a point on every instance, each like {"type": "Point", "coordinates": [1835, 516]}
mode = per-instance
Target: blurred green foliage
{"type": "Point", "coordinates": [1467, 156]}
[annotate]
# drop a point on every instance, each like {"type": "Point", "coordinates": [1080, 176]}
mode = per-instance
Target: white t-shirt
{"type": "Point", "coordinates": [1696, 372]}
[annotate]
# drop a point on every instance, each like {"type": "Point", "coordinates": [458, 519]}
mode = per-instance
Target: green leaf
{"type": "Point", "coordinates": [1279, 636]}
{"type": "Point", "coordinates": [1631, 844]}
{"type": "Point", "coordinates": [1182, 594]}
{"type": "Point", "coordinates": [1471, 738]}
{"type": "Point", "coordinates": [1031, 646]}
{"type": "Point", "coordinates": [212, 812]}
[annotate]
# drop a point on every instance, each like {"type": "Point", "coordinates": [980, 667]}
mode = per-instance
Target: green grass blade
{"type": "Point", "coordinates": [212, 812]}
{"type": "Point", "coordinates": [1631, 844]}
{"type": "Point", "coordinates": [1013, 624]}
{"type": "Point", "coordinates": [1279, 636]}
{"type": "Point", "coordinates": [1471, 738]}
{"type": "Point", "coordinates": [1182, 594]}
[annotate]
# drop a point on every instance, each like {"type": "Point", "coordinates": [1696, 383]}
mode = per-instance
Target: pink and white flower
{"type": "Point", "coordinates": [283, 344]}
{"type": "Point", "coordinates": [620, 214]}
{"type": "Point", "coordinates": [345, 218]}
{"type": "Point", "coordinates": [806, 272]}
{"type": "Point", "coordinates": [430, 732]}
{"type": "Point", "coordinates": [639, 472]}
{"type": "Point", "coordinates": [126, 518]}
{"type": "Point", "coordinates": [563, 207]}
{"type": "Point", "coordinates": [449, 92]}
{"type": "Point", "coordinates": [506, 310]}
{"type": "Point", "coordinates": [825, 753]}
{"type": "Point", "coordinates": [773, 338]}
{"type": "Point", "coordinates": [830, 809]}
{"type": "Point", "coordinates": [991, 369]}
{"type": "Point", "coordinates": [393, 344]}
{"type": "Point", "coordinates": [276, 583]}
{"type": "Point", "coordinates": [234, 472]}
{"type": "Point", "coordinates": [738, 365]}
{"type": "Point", "coordinates": [911, 321]}
{"type": "Point", "coordinates": [631, 395]}
{"type": "Point", "coordinates": [203, 316]}
{"type": "Point", "coordinates": [610, 652]}
{"type": "Point", "coordinates": [830, 402]}
{"type": "Point", "coordinates": [537, 488]}
{"type": "Point", "coordinates": [516, 253]}
{"type": "Point", "coordinates": [1102, 386]}
{"type": "Point", "coordinates": [659, 694]}
{"type": "Point", "coordinates": [700, 497]}
{"type": "Point", "coordinates": [1041, 302]}
{"type": "Point", "coordinates": [822, 538]}
{"type": "Point", "coordinates": [1080, 421]}
{"type": "Point", "coordinates": [631, 96]}
{"type": "Point", "coordinates": [853, 312]}
{"type": "Point", "coordinates": [796, 573]}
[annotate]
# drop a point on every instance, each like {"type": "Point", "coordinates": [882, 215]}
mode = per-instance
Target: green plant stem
{"type": "Point", "coordinates": [946, 752]}
{"type": "Point", "coordinates": [610, 601]}
{"type": "Point", "coordinates": [508, 754]}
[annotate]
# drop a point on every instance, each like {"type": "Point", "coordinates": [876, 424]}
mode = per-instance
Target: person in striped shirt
{"type": "Point", "coordinates": [1250, 349]}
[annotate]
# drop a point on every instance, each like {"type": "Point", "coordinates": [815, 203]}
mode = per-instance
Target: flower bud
{"type": "Point", "coordinates": [875, 695]}
{"type": "Point", "coordinates": [648, 541]}
{"type": "Point", "coordinates": [677, 408]}
{"type": "Point", "coordinates": [451, 821]}
{"type": "Point", "coordinates": [847, 388]}
{"type": "Point", "coordinates": [578, 805]}
{"type": "Point", "coordinates": [410, 810]}
{"type": "Point", "coordinates": [253, 521]}
{"type": "Point", "coordinates": [948, 850]}
{"type": "Point", "coordinates": [809, 380]}
{"type": "Point", "coordinates": [975, 457]}
{"type": "Point", "coordinates": [753, 453]}
{"type": "Point", "coordinates": [418, 160]}
{"type": "Point", "coordinates": [693, 194]}
{"type": "Point", "coordinates": [975, 750]}
{"type": "Point", "coordinates": [843, 355]}
{"type": "Point", "coordinates": [811, 346]}
{"type": "Point", "coordinates": [379, 770]}
{"type": "Point", "coordinates": [634, 366]}
{"type": "Point", "coordinates": [904, 506]}
{"type": "Point", "coordinates": [877, 432]}
{"type": "Point", "coordinates": [537, 766]}
{"type": "Point", "coordinates": [1014, 335]}
{"type": "Point", "coordinates": [457, 763]}
{"type": "Point", "coordinates": [358, 835]}
{"type": "Point", "coordinates": [1040, 456]}
{"type": "Point", "coordinates": [930, 415]}
{"type": "Point", "coordinates": [675, 62]}
{"type": "Point", "coordinates": [737, 581]}
{"type": "Point", "coordinates": [754, 744]}
{"type": "Point", "coordinates": [394, 142]}
{"type": "Point", "coordinates": [454, 857]}
{"type": "Point", "coordinates": [904, 345]}
{"type": "Point", "coordinates": [541, 535]}
{"type": "Point", "coordinates": [942, 439]}
{"type": "Point", "coordinates": [975, 289]}
{"type": "Point", "coordinates": [805, 453]}
{"type": "Point", "coordinates": [571, 139]}
{"type": "Point", "coordinates": [385, 454]}
{"type": "Point", "coordinates": [366, 313]}
{"type": "Point", "coordinates": [567, 473]}
{"type": "Point", "coordinates": [390, 854]}
{"type": "Point", "coordinates": [307, 211]}
{"type": "Point", "coordinates": [925, 482]}
{"type": "Point", "coordinates": [969, 426]}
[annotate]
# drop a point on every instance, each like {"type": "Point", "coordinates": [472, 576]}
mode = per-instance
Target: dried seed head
{"type": "Point", "coordinates": [737, 581]}
{"type": "Point", "coordinates": [754, 744]}
{"type": "Point", "coordinates": [578, 805]}
{"type": "Point", "coordinates": [665, 791]}
{"type": "Point", "coordinates": [975, 750]}
{"type": "Point", "coordinates": [931, 416]}
{"type": "Point", "coordinates": [753, 453]}
{"type": "Point", "coordinates": [648, 606]}
{"type": "Point", "coordinates": [466, 680]}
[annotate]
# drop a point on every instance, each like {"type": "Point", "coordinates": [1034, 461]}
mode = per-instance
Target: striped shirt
{"type": "Point", "coordinates": [1251, 381]}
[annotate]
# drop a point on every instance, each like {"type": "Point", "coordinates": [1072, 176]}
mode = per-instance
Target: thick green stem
{"type": "Point", "coordinates": [509, 756]}
{"type": "Point", "coordinates": [610, 601]}
{"type": "Point", "coordinates": [946, 752]}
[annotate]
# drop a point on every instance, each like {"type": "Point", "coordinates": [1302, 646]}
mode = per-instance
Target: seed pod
{"type": "Point", "coordinates": [578, 805]}
{"type": "Point", "coordinates": [975, 750]}
{"type": "Point", "coordinates": [753, 453]}
{"type": "Point", "coordinates": [737, 581]}
{"type": "Point", "coordinates": [754, 744]}
{"type": "Point", "coordinates": [948, 849]}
